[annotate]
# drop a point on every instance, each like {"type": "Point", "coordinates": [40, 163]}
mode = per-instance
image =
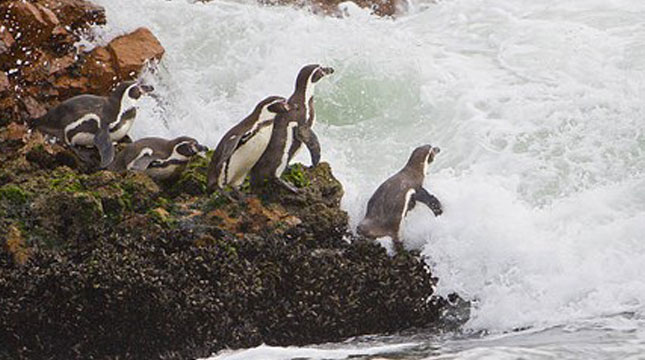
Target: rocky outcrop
{"type": "Point", "coordinates": [330, 7]}
{"type": "Point", "coordinates": [85, 257]}
{"type": "Point", "coordinates": [40, 66]}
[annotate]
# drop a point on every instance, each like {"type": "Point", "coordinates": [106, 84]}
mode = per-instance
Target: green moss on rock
{"type": "Point", "coordinates": [14, 195]}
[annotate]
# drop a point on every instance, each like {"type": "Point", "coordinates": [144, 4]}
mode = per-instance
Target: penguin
{"type": "Point", "coordinates": [160, 159]}
{"type": "Point", "coordinates": [241, 147]}
{"type": "Point", "coordinates": [275, 158]}
{"type": "Point", "coordinates": [397, 195]}
{"type": "Point", "coordinates": [302, 102]}
{"type": "Point", "coordinates": [93, 121]}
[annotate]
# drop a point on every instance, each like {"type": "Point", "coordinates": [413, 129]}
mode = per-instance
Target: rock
{"type": "Point", "coordinates": [100, 70]}
{"type": "Point", "coordinates": [130, 52]}
{"type": "Point", "coordinates": [6, 40]}
{"type": "Point", "coordinates": [89, 255]}
{"type": "Point", "coordinates": [5, 85]}
{"type": "Point", "coordinates": [33, 107]}
{"type": "Point", "coordinates": [76, 13]}
{"type": "Point", "coordinates": [30, 24]}
{"type": "Point", "coordinates": [39, 64]}
{"type": "Point", "coordinates": [330, 7]}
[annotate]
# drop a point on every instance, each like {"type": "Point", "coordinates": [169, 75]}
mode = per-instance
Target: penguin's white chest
{"type": "Point", "coordinates": [245, 157]}
{"type": "Point", "coordinates": [123, 130]}
{"type": "Point", "coordinates": [284, 160]}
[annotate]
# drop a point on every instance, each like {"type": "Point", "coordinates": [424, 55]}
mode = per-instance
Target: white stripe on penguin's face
{"type": "Point", "coordinates": [309, 92]}
{"type": "Point", "coordinates": [126, 104]}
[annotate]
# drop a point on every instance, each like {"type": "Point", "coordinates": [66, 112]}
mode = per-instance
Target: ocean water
{"type": "Point", "coordinates": [538, 107]}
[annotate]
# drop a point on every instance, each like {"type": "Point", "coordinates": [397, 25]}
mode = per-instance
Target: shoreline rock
{"type": "Point", "coordinates": [87, 256]}
{"type": "Point", "coordinates": [40, 65]}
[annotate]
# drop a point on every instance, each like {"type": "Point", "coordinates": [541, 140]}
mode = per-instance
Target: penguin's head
{"type": "Point", "coordinates": [310, 75]}
{"type": "Point", "coordinates": [188, 147]}
{"type": "Point", "coordinates": [132, 90]}
{"type": "Point", "coordinates": [270, 107]}
{"type": "Point", "coordinates": [135, 92]}
{"type": "Point", "coordinates": [422, 156]}
{"type": "Point", "coordinates": [320, 73]}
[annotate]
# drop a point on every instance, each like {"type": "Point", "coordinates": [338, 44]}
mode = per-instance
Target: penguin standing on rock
{"type": "Point", "coordinates": [160, 159]}
{"type": "Point", "coordinates": [275, 158]}
{"type": "Point", "coordinates": [94, 121]}
{"type": "Point", "coordinates": [399, 194]}
{"type": "Point", "coordinates": [242, 146]}
{"type": "Point", "coordinates": [302, 103]}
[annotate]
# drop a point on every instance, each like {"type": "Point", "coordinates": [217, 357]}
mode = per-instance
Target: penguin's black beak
{"type": "Point", "coordinates": [435, 150]}
{"type": "Point", "coordinates": [201, 148]}
{"type": "Point", "coordinates": [146, 88]}
{"type": "Point", "coordinates": [327, 70]}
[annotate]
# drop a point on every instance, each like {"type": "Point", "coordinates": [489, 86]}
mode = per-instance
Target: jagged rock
{"type": "Point", "coordinates": [99, 69]}
{"type": "Point", "coordinates": [5, 85]}
{"type": "Point", "coordinates": [76, 13]}
{"type": "Point", "coordinates": [33, 22]}
{"type": "Point", "coordinates": [38, 56]}
{"type": "Point", "coordinates": [6, 40]}
{"type": "Point", "coordinates": [130, 52]}
{"type": "Point", "coordinates": [330, 7]}
{"type": "Point", "coordinates": [87, 257]}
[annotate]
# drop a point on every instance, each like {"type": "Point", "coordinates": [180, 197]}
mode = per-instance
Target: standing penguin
{"type": "Point", "coordinates": [276, 156]}
{"type": "Point", "coordinates": [94, 121]}
{"type": "Point", "coordinates": [302, 103]}
{"type": "Point", "coordinates": [241, 147]}
{"type": "Point", "coordinates": [161, 159]}
{"type": "Point", "coordinates": [399, 194]}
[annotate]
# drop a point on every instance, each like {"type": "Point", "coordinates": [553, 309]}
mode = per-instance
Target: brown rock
{"type": "Point", "coordinates": [16, 245]}
{"type": "Point", "coordinates": [29, 21]}
{"type": "Point", "coordinates": [48, 16]}
{"type": "Point", "coordinates": [13, 131]}
{"type": "Point", "coordinates": [6, 40]}
{"type": "Point", "coordinates": [5, 85]}
{"type": "Point", "coordinates": [76, 13]}
{"type": "Point", "coordinates": [33, 107]}
{"type": "Point", "coordinates": [100, 70]}
{"type": "Point", "coordinates": [133, 50]}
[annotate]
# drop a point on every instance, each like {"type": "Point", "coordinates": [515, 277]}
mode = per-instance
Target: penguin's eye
{"type": "Point", "coordinates": [134, 93]}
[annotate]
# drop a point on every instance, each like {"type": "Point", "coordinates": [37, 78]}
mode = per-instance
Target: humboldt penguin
{"type": "Point", "coordinates": [397, 195]}
{"type": "Point", "coordinates": [241, 147]}
{"type": "Point", "coordinates": [275, 158]}
{"type": "Point", "coordinates": [94, 121]}
{"type": "Point", "coordinates": [302, 103]}
{"type": "Point", "coordinates": [161, 159]}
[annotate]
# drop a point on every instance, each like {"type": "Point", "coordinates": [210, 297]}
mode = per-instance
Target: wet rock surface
{"type": "Point", "coordinates": [40, 65]}
{"type": "Point", "coordinates": [96, 265]}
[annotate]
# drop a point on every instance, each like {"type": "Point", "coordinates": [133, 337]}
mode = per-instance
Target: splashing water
{"type": "Point", "coordinates": [539, 108]}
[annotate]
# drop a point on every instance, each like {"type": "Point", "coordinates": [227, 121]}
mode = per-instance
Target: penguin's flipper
{"type": "Point", "coordinates": [104, 144]}
{"type": "Point", "coordinates": [222, 154]}
{"type": "Point", "coordinates": [307, 136]}
{"type": "Point", "coordinates": [142, 163]}
{"type": "Point", "coordinates": [431, 201]}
